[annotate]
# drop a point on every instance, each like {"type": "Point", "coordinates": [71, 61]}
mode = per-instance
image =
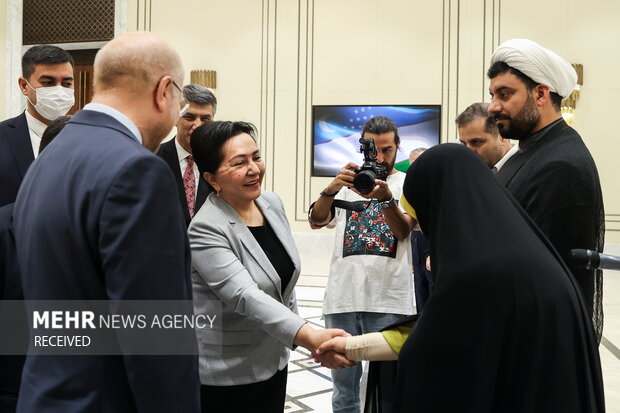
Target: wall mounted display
{"type": "Point", "coordinates": [336, 130]}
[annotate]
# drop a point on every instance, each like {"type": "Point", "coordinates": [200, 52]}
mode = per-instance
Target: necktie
{"type": "Point", "coordinates": [189, 183]}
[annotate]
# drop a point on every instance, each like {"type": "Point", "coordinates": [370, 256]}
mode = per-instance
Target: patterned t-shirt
{"type": "Point", "coordinates": [370, 269]}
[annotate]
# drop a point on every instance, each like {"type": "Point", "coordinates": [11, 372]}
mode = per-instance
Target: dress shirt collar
{"type": "Point", "coordinates": [124, 120]}
{"type": "Point", "coordinates": [508, 155]}
{"type": "Point", "coordinates": [181, 153]}
{"type": "Point", "coordinates": [35, 125]}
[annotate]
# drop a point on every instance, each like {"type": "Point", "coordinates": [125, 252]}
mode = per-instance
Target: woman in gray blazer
{"type": "Point", "coordinates": [244, 255]}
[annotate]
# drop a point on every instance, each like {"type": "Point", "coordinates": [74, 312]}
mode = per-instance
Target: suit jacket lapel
{"type": "Point", "coordinates": [20, 144]}
{"type": "Point", "coordinates": [168, 152]}
{"type": "Point", "coordinates": [281, 229]}
{"type": "Point", "coordinates": [512, 166]}
{"type": "Point", "coordinates": [249, 242]}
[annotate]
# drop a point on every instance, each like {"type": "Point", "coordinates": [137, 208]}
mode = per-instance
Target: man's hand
{"type": "Point", "coordinates": [381, 192]}
{"type": "Point", "coordinates": [320, 213]}
{"type": "Point", "coordinates": [400, 223]}
{"type": "Point", "coordinates": [333, 360]}
{"type": "Point", "coordinates": [311, 339]}
{"type": "Point", "coordinates": [344, 178]}
{"type": "Point", "coordinates": [428, 263]}
{"type": "Point", "coordinates": [331, 354]}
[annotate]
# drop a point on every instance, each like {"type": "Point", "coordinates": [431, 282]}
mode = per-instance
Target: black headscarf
{"type": "Point", "coordinates": [505, 329]}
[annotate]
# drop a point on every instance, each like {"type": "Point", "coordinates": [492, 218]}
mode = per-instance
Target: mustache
{"type": "Point", "coordinates": [499, 116]}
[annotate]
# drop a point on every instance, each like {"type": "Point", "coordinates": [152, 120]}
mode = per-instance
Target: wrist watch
{"type": "Point", "coordinates": [387, 204]}
{"type": "Point", "coordinates": [324, 193]}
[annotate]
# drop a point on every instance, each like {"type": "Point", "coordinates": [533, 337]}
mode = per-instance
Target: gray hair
{"type": "Point", "coordinates": [199, 95]}
{"type": "Point", "coordinates": [417, 150]}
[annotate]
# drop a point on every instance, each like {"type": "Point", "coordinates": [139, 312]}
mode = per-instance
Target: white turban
{"type": "Point", "coordinates": [539, 64]}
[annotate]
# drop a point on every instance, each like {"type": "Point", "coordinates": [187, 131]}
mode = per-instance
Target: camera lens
{"type": "Point", "coordinates": [364, 181]}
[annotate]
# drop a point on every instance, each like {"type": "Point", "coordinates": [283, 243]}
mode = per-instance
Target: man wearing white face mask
{"type": "Point", "coordinates": [47, 83]}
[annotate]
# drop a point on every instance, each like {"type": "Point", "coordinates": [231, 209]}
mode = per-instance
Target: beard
{"type": "Point", "coordinates": [388, 166]}
{"type": "Point", "coordinates": [522, 125]}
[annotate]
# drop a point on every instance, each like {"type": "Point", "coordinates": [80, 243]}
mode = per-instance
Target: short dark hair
{"type": "Point", "coordinates": [208, 139]}
{"type": "Point", "coordinates": [379, 125]}
{"type": "Point", "coordinates": [199, 95]}
{"type": "Point", "coordinates": [44, 54]}
{"type": "Point", "coordinates": [52, 130]}
{"type": "Point", "coordinates": [475, 111]}
{"type": "Point", "coordinates": [498, 68]}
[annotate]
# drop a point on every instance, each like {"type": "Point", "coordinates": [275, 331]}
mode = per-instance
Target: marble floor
{"type": "Point", "coordinates": [309, 385]}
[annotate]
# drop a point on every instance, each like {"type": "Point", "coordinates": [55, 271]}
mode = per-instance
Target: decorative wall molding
{"type": "Point", "coordinates": [464, 66]}
{"type": "Point", "coordinates": [449, 61]}
{"type": "Point", "coordinates": [612, 222]}
{"type": "Point", "coordinates": [144, 15]}
{"type": "Point", "coordinates": [14, 104]}
{"type": "Point", "coordinates": [268, 88]}
{"type": "Point", "coordinates": [305, 47]}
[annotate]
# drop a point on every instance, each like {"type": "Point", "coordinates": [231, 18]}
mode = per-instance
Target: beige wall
{"type": "Point", "coordinates": [584, 32]}
{"type": "Point", "coordinates": [275, 59]}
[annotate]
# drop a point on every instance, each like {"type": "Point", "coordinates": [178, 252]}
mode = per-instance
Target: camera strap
{"type": "Point", "coordinates": [351, 206]}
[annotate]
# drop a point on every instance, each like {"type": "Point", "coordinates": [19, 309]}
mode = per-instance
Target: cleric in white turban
{"type": "Point", "coordinates": [540, 64]}
{"type": "Point", "coordinates": [553, 175]}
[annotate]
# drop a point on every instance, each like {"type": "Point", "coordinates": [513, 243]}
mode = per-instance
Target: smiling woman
{"type": "Point", "coordinates": [244, 255]}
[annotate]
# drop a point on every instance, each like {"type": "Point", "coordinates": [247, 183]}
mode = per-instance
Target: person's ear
{"type": "Point", "coordinates": [23, 86]}
{"type": "Point", "coordinates": [541, 94]}
{"type": "Point", "coordinates": [210, 178]}
{"type": "Point", "coordinates": [163, 93]}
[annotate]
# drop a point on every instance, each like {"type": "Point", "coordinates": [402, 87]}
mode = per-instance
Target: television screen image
{"type": "Point", "coordinates": [336, 131]}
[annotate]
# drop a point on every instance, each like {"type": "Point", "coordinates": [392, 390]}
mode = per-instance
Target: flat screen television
{"type": "Point", "coordinates": [336, 130]}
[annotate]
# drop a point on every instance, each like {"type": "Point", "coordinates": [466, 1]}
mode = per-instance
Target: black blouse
{"type": "Point", "coordinates": [274, 250]}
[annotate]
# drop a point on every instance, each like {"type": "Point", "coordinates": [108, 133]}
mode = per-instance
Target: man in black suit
{"type": "Point", "coordinates": [193, 189]}
{"type": "Point", "coordinates": [11, 288]}
{"type": "Point", "coordinates": [47, 81]}
{"type": "Point", "coordinates": [97, 218]}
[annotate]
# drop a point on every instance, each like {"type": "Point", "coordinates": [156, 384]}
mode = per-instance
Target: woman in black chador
{"type": "Point", "coordinates": [506, 329]}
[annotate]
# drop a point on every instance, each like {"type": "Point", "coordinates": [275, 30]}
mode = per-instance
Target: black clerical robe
{"type": "Point", "coordinates": [555, 180]}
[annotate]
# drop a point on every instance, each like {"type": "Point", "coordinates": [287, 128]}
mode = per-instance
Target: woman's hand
{"type": "Point", "coordinates": [312, 339]}
{"type": "Point", "coordinates": [337, 344]}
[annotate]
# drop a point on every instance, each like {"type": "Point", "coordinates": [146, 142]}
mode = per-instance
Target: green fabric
{"type": "Point", "coordinates": [402, 165]}
{"type": "Point", "coordinates": [396, 336]}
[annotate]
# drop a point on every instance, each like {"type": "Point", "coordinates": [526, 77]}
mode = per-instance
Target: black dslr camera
{"type": "Point", "coordinates": [364, 180]}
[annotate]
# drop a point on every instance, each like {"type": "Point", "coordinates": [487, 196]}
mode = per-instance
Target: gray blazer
{"type": "Point", "coordinates": [252, 339]}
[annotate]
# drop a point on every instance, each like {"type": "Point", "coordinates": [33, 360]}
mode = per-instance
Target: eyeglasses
{"type": "Point", "coordinates": [177, 86]}
{"type": "Point", "coordinates": [182, 102]}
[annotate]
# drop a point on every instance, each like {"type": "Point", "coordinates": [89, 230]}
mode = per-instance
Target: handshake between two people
{"type": "Point", "coordinates": [327, 346]}
{"type": "Point", "coordinates": [336, 349]}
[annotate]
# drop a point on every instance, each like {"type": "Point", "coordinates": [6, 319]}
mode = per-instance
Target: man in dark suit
{"type": "Point", "coordinates": [11, 288]}
{"type": "Point", "coordinates": [193, 189]}
{"type": "Point", "coordinates": [47, 81]}
{"type": "Point", "coordinates": [97, 218]}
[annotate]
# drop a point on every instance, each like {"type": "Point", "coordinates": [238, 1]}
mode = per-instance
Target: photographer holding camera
{"type": "Point", "coordinates": [370, 284]}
